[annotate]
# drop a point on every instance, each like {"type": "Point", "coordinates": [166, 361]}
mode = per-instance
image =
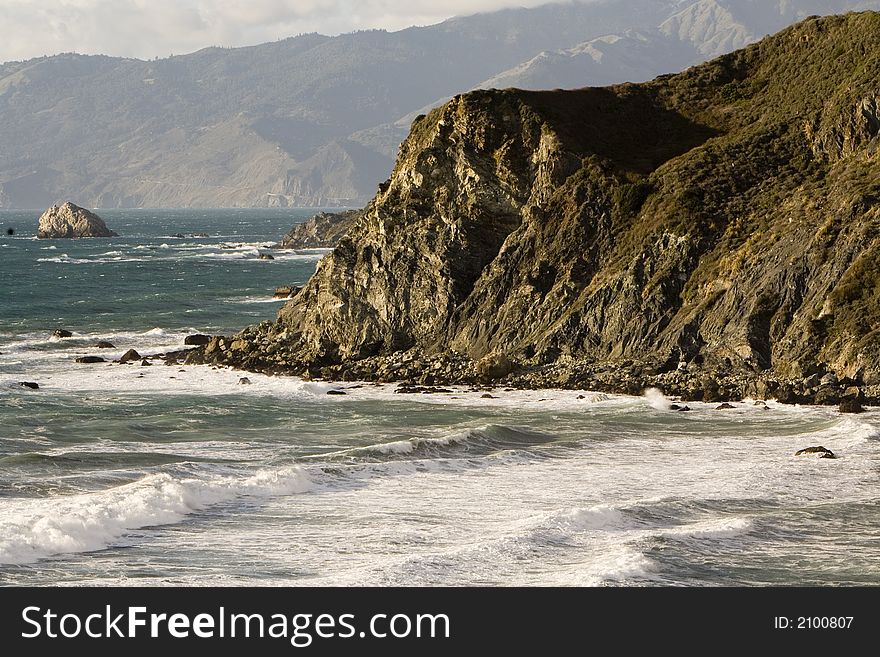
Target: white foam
{"type": "Point", "coordinates": [32, 530]}
{"type": "Point", "coordinates": [709, 529]}
{"type": "Point", "coordinates": [656, 399]}
{"type": "Point", "coordinates": [259, 300]}
{"type": "Point", "coordinates": [616, 563]}
{"type": "Point", "coordinates": [847, 432]}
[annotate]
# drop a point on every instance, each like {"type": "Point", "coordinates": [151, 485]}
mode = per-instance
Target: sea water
{"type": "Point", "coordinates": [158, 475]}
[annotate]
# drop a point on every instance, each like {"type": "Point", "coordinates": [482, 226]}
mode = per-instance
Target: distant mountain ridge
{"type": "Point", "coordinates": [315, 120]}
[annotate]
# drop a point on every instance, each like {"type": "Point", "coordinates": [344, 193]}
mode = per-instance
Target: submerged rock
{"type": "Point", "coordinates": [29, 384]}
{"type": "Point", "coordinates": [724, 406]}
{"type": "Point", "coordinates": [335, 392]}
{"type": "Point", "coordinates": [61, 333]}
{"type": "Point", "coordinates": [197, 339]}
{"type": "Point", "coordinates": [70, 220]}
{"type": "Point", "coordinates": [266, 256]}
{"type": "Point", "coordinates": [244, 381]}
{"type": "Point", "coordinates": [103, 344]}
{"type": "Point", "coordinates": [823, 452]}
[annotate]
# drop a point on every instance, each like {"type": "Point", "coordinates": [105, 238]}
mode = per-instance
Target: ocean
{"type": "Point", "coordinates": [155, 475]}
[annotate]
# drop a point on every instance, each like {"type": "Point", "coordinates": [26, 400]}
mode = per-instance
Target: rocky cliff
{"type": "Point", "coordinates": [323, 231]}
{"type": "Point", "coordinates": [721, 224]}
{"type": "Point", "coordinates": [70, 220]}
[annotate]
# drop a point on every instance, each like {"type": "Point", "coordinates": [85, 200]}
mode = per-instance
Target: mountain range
{"type": "Point", "coordinates": [315, 120]}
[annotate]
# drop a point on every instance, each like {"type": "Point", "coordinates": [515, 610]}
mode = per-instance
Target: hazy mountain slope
{"type": "Point", "coordinates": [695, 31]}
{"type": "Point", "coordinates": [262, 125]}
{"type": "Point", "coordinates": [627, 57]}
{"type": "Point", "coordinates": [311, 120]}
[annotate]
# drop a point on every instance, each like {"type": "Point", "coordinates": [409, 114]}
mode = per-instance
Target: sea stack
{"type": "Point", "coordinates": [70, 220]}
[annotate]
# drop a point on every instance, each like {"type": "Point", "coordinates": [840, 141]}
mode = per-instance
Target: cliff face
{"type": "Point", "coordinates": [727, 217]}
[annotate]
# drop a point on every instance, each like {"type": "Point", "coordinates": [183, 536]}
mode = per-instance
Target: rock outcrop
{"type": "Point", "coordinates": [715, 233]}
{"type": "Point", "coordinates": [70, 220]}
{"type": "Point", "coordinates": [823, 452]}
{"type": "Point", "coordinates": [323, 231]}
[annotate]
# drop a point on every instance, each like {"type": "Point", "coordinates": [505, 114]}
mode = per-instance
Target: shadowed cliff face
{"type": "Point", "coordinates": [471, 174]}
{"type": "Point", "coordinates": [727, 215]}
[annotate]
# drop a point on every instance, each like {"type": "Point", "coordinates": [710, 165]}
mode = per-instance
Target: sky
{"type": "Point", "coordinates": [159, 28]}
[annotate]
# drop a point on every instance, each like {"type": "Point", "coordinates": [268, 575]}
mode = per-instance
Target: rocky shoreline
{"type": "Point", "coordinates": [262, 349]}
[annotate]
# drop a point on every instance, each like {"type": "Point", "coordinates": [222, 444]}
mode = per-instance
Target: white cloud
{"type": "Point", "coordinates": [148, 28]}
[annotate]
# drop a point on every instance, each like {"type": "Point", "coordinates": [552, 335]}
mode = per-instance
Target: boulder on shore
{"type": "Point", "coordinates": [130, 356]}
{"type": "Point", "coordinates": [495, 366]}
{"type": "Point", "coordinates": [850, 406]}
{"type": "Point", "coordinates": [197, 339]}
{"type": "Point", "coordinates": [70, 220]}
{"type": "Point", "coordinates": [88, 360]}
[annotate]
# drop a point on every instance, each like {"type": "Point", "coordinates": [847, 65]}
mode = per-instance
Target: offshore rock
{"type": "Point", "coordinates": [323, 231]}
{"type": "Point", "coordinates": [70, 220]}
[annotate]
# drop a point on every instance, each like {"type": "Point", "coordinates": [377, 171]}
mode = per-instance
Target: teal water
{"type": "Point", "coordinates": [147, 277]}
{"type": "Point", "coordinates": [131, 474]}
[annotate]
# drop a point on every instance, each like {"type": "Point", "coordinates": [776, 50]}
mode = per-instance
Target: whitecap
{"type": "Point", "coordinates": [32, 530]}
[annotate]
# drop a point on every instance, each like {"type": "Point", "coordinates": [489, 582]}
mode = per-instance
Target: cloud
{"type": "Point", "coordinates": [148, 28]}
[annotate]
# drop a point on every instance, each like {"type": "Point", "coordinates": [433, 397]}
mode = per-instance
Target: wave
{"type": "Point", "coordinates": [709, 529]}
{"type": "Point", "coordinates": [480, 441]}
{"type": "Point", "coordinates": [598, 545]}
{"type": "Point", "coordinates": [33, 530]}
{"type": "Point", "coordinates": [843, 433]}
{"type": "Point", "coordinates": [67, 260]}
{"type": "Point", "coordinates": [258, 300]}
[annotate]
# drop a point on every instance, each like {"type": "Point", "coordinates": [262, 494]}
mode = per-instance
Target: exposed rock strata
{"type": "Point", "coordinates": [715, 233]}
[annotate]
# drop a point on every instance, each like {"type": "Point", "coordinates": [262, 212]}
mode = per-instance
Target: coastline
{"type": "Point", "coordinates": [255, 351]}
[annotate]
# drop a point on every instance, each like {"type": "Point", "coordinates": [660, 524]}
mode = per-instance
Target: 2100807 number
{"type": "Point", "coordinates": [824, 622]}
{"type": "Point", "coordinates": [813, 623]}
